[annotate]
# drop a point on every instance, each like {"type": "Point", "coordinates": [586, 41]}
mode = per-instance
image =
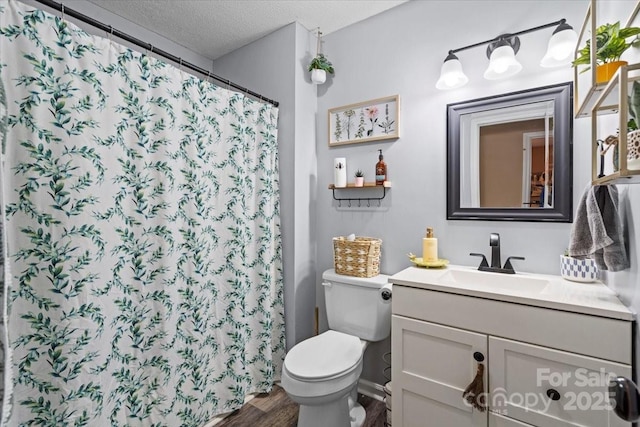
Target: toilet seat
{"type": "Point", "coordinates": [328, 355]}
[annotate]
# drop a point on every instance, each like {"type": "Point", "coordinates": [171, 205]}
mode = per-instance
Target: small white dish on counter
{"type": "Point", "coordinates": [578, 270]}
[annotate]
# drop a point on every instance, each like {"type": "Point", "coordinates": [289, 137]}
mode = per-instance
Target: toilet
{"type": "Point", "coordinates": [321, 373]}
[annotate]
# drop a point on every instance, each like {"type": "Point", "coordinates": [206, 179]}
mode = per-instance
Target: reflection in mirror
{"type": "Point", "coordinates": [509, 153]}
{"type": "Point", "coordinates": [502, 159]}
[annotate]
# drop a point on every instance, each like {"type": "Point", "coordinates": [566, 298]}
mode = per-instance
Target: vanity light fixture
{"type": "Point", "coordinates": [502, 52]}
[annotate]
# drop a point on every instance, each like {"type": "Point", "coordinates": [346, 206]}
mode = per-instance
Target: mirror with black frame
{"type": "Point", "coordinates": [509, 157]}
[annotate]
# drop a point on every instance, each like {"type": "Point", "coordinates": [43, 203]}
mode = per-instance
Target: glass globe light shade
{"type": "Point", "coordinates": [451, 74]}
{"type": "Point", "coordinates": [560, 48]}
{"type": "Point", "coordinates": [502, 64]}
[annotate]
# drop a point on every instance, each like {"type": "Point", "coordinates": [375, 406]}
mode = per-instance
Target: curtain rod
{"type": "Point", "coordinates": [124, 36]}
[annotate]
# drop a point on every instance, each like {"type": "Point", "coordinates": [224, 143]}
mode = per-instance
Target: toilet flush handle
{"type": "Point", "coordinates": [328, 284]}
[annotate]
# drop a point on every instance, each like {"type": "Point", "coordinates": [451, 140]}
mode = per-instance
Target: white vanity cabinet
{"type": "Point", "coordinates": [546, 354]}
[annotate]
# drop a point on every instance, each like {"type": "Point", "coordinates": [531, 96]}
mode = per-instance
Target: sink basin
{"type": "Point", "coordinates": [493, 282]}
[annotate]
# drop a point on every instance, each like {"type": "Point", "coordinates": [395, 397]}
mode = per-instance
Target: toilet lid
{"type": "Point", "coordinates": [328, 354]}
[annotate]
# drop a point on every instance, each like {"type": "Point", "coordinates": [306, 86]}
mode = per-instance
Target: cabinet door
{"type": "Point", "coordinates": [432, 365]}
{"type": "Point", "coordinates": [551, 388]}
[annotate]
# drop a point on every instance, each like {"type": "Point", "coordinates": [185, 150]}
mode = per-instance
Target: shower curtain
{"type": "Point", "coordinates": [142, 273]}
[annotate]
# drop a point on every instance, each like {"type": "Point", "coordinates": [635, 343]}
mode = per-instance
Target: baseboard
{"type": "Point", "coordinates": [371, 389]}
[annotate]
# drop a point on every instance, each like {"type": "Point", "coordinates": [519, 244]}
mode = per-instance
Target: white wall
{"type": "Point", "coordinates": [306, 187]}
{"type": "Point", "coordinates": [400, 52]}
{"type": "Point", "coordinates": [275, 67]}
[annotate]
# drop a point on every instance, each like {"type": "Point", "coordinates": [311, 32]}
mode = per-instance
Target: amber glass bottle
{"type": "Point", "coordinates": [381, 170]}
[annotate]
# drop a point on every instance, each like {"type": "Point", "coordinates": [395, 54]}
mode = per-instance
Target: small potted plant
{"type": "Point", "coordinates": [319, 68]}
{"type": "Point", "coordinates": [611, 43]}
{"type": "Point", "coordinates": [359, 178]}
{"type": "Point", "coordinates": [633, 132]}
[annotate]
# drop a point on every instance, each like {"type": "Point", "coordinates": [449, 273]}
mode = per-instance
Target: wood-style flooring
{"type": "Point", "coordinates": [277, 410]}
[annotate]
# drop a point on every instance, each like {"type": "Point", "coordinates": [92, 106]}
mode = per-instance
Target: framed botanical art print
{"type": "Point", "coordinates": [373, 120]}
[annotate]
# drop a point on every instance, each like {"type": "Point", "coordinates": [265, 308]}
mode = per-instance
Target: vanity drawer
{"type": "Point", "coordinates": [525, 379]}
{"type": "Point", "coordinates": [573, 332]}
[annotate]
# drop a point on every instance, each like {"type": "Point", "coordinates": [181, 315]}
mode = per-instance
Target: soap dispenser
{"type": "Point", "coordinates": [381, 170]}
{"type": "Point", "coordinates": [429, 247]}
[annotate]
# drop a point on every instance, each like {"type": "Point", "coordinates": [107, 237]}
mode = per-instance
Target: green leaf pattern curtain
{"type": "Point", "coordinates": [142, 272]}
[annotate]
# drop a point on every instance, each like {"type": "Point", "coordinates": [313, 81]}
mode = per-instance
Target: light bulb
{"type": "Point", "coordinates": [450, 80]}
{"type": "Point", "coordinates": [500, 66]}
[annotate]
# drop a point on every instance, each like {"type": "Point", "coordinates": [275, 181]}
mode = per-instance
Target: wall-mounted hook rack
{"type": "Point", "coordinates": [367, 186]}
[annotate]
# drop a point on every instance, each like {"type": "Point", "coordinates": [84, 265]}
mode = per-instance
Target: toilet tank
{"type": "Point", "coordinates": [355, 305]}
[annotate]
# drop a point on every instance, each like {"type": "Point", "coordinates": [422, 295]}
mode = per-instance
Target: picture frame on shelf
{"type": "Point", "coordinates": [373, 120]}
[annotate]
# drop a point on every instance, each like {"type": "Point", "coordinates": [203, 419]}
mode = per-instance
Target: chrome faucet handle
{"type": "Point", "coordinates": [494, 243]}
{"type": "Point", "coordinates": [508, 266]}
{"type": "Point", "coordinates": [484, 262]}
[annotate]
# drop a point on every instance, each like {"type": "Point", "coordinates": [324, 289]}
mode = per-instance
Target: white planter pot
{"type": "Point", "coordinates": [318, 76]}
{"type": "Point", "coordinates": [359, 181]}
{"type": "Point", "coordinates": [633, 150]}
{"type": "Point", "coordinates": [578, 270]}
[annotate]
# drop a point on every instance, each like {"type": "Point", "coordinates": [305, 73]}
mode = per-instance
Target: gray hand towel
{"type": "Point", "coordinates": [596, 231]}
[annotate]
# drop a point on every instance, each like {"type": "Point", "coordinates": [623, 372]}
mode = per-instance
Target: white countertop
{"type": "Point", "coordinates": [560, 294]}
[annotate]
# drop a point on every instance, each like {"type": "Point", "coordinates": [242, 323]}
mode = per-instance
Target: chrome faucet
{"type": "Point", "coordinates": [495, 267]}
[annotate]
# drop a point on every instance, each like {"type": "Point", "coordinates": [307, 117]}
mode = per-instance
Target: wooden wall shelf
{"type": "Point", "coordinates": [613, 99]}
{"type": "Point", "coordinates": [350, 185]}
{"type": "Point", "coordinates": [599, 100]}
{"type": "Point", "coordinates": [368, 186]}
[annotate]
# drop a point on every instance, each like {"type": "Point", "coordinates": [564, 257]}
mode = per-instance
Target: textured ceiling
{"type": "Point", "coordinates": [213, 28]}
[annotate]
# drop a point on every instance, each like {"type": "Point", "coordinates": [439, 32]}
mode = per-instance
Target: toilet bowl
{"type": "Point", "coordinates": [321, 373]}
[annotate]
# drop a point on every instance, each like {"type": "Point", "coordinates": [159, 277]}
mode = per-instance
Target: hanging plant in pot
{"type": "Point", "coordinates": [320, 65]}
{"type": "Point", "coordinates": [611, 43]}
{"type": "Point", "coordinates": [319, 68]}
{"type": "Point", "coordinates": [633, 131]}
